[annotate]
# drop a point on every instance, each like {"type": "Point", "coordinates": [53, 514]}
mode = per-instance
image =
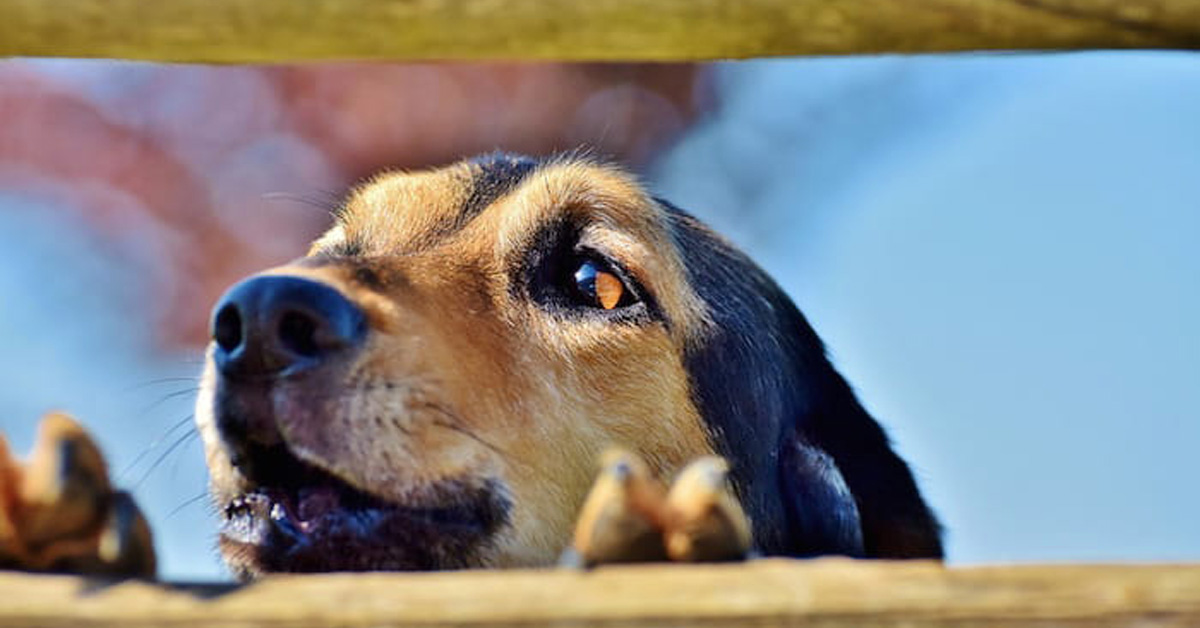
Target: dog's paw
{"type": "Point", "coordinates": [702, 520]}
{"type": "Point", "coordinates": [59, 512]}
{"type": "Point", "coordinates": [622, 518]}
{"type": "Point", "coordinates": [629, 517]}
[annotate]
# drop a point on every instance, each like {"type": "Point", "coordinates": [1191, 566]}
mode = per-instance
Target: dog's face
{"type": "Point", "coordinates": [430, 387]}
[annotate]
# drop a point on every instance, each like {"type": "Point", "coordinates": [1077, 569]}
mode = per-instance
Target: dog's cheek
{"type": "Point", "coordinates": [588, 388]}
{"type": "Point", "coordinates": [521, 395]}
{"type": "Point", "coordinates": [641, 395]}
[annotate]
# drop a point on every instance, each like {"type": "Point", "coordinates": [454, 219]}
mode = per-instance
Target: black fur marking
{"type": "Point", "coordinates": [497, 175]}
{"type": "Point", "coordinates": [368, 277]}
{"type": "Point", "coordinates": [345, 248]}
{"type": "Point", "coordinates": [491, 177]}
{"type": "Point", "coordinates": [764, 386]}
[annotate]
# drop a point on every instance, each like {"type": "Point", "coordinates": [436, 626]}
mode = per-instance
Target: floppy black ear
{"type": "Point", "coordinates": [814, 471]}
{"type": "Point", "coordinates": [824, 516]}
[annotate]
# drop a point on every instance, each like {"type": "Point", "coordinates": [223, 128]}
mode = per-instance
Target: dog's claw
{"type": "Point", "coordinates": [58, 512]}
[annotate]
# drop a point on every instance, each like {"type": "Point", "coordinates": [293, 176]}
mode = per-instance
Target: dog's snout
{"type": "Point", "coordinates": [278, 325]}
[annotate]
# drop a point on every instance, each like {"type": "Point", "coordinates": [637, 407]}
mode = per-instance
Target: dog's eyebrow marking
{"type": "Point", "coordinates": [494, 176]}
{"type": "Point", "coordinates": [404, 213]}
{"type": "Point", "coordinates": [345, 248]}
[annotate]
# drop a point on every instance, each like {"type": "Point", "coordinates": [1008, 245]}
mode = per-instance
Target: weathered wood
{"type": "Point", "coordinates": [830, 593]}
{"type": "Point", "coordinates": [299, 30]}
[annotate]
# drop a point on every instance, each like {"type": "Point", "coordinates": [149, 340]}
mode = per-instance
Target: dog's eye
{"type": "Point", "coordinates": [597, 287]}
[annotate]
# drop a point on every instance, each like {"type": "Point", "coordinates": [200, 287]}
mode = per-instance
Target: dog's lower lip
{"type": "Point", "coordinates": [300, 518]}
{"type": "Point", "coordinates": [251, 517]}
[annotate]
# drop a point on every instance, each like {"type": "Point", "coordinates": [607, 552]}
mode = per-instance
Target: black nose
{"type": "Point", "coordinates": [279, 325]}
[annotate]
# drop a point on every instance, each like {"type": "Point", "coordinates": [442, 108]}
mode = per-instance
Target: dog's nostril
{"type": "Point", "coordinates": [279, 325]}
{"type": "Point", "coordinates": [298, 334]}
{"type": "Point", "coordinates": [227, 328]}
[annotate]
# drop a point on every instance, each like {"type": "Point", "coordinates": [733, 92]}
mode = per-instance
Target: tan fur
{"type": "Point", "coordinates": [464, 378]}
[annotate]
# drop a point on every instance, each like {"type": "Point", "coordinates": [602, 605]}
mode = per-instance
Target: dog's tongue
{"type": "Point", "coordinates": [315, 503]}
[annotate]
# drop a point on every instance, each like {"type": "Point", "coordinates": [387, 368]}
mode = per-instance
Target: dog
{"type": "Point", "coordinates": [429, 387]}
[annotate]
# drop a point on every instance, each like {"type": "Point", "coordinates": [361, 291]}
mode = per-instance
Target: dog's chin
{"type": "Point", "coordinates": [303, 519]}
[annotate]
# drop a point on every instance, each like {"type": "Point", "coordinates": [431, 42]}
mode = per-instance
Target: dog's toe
{"type": "Point", "coordinates": [704, 521]}
{"type": "Point", "coordinates": [58, 511]}
{"type": "Point", "coordinates": [65, 487]}
{"type": "Point", "coordinates": [125, 544]}
{"type": "Point", "coordinates": [621, 519]}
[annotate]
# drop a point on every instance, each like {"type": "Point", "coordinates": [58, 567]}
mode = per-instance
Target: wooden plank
{"type": "Point", "coordinates": [830, 593]}
{"type": "Point", "coordinates": [676, 30]}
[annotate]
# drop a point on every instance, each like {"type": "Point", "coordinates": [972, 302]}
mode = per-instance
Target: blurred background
{"type": "Point", "coordinates": [1000, 251]}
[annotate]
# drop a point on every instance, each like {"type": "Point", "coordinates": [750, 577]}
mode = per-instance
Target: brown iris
{"type": "Point", "coordinates": [598, 287]}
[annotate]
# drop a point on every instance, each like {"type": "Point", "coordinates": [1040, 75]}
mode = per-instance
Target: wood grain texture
{"type": "Point", "coordinates": [831, 593]}
{"type": "Point", "coordinates": [245, 31]}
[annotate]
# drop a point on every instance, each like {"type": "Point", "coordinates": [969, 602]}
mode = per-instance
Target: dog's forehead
{"type": "Point", "coordinates": [407, 212]}
{"type": "Point", "coordinates": [402, 212]}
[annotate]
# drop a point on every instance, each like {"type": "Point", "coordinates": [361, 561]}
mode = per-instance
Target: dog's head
{"type": "Point", "coordinates": [431, 385]}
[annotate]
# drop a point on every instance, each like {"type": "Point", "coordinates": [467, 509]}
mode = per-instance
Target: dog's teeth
{"type": "Point", "coordinates": [284, 522]}
{"type": "Point", "coordinates": [237, 506]}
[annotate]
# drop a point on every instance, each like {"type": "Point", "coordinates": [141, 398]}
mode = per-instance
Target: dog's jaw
{"type": "Point", "coordinates": [326, 528]}
{"type": "Point", "coordinates": [294, 515]}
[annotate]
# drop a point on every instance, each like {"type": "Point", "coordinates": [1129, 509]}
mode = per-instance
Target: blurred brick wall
{"type": "Point", "coordinates": [199, 175]}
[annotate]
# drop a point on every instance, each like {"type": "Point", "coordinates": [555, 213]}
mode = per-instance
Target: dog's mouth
{"type": "Point", "coordinates": [298, 517]}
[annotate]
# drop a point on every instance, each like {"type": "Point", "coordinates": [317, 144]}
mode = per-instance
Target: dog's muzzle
{"type": "Point", "coordinates": [277, 341]}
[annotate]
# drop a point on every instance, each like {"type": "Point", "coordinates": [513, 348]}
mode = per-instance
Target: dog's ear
{"type": "Point", "coordinates": [814, 471]}
{"type": "Point", "coordinates": [824, 514]}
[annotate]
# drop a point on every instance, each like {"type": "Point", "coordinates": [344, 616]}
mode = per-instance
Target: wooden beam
{"type": "Point", "coordinates": [830, 593]}
{"type": "Point", "coordinates": [252, 31]}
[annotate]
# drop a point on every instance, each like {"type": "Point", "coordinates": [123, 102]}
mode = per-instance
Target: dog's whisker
{"type": "Point", "coordinates": [328, 205]}
{"type": "Point", "coordinates": [154, 445]}
{"type": "Point", "coordinates": [451, 421]}
{"type": "Point", "coordinates": [176, 444]}
{"type": "Point", "coordinates": [181, 457]}
{"type": "Point", "coordinates": [158, 381]}
{"type": "Point", "coordinates": [189, 359]}
{"type": "Point", "coordinates": [192, 500]}
{"type": "Point", "coordinates": [469, 434]}
{"type": "Point", "coordinates": [169, 396]}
